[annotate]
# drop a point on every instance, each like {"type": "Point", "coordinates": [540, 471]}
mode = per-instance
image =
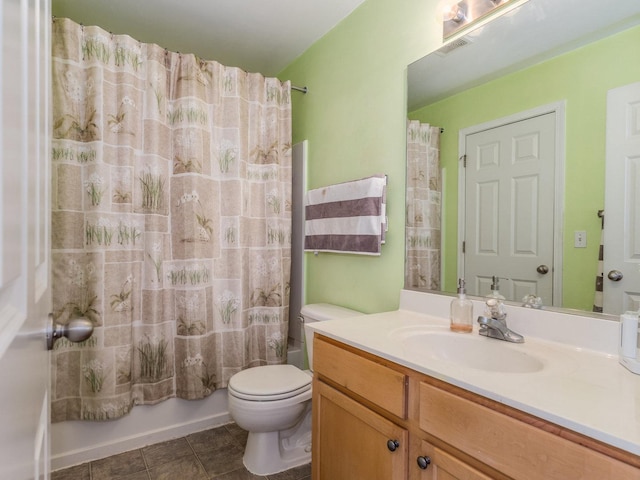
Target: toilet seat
{"type": "Point", "coordinates": [269, 382]}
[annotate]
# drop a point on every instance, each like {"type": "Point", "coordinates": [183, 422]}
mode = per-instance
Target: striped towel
{"type": "Point", "coordinates": [347, 217]}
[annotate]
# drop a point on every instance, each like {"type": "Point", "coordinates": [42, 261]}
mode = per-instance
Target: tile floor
{"type": "Point", "coordinates": [211, 454]}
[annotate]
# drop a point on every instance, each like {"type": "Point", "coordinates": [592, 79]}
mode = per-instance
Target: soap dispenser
{"type": "Point", "coordinates": [494, 302]}
{"type": "Point", "coordinates": [495, 290]}
{"type": "Point", "coordinates": [461, 315]}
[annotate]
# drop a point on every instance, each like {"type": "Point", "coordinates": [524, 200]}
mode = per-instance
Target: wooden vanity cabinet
{"type": "Point", "coordinates": [350, 440]}
{"type": "Point", "coordinates": [375, 420]}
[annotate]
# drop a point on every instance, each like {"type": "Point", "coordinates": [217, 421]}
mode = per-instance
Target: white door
{"type": "Point", "coordinates": [509, 224]}
{"type": "Point", "coordinates": [24, 238]}
{"type": "Point", "coordinates": [622, 201]}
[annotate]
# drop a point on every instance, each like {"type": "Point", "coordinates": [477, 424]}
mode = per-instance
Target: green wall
{"type": "Point", "coordinates": [581, 78]}
{"type": "Point", "coordinates": [354, 118]}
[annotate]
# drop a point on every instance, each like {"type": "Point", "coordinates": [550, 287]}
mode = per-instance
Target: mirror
{"type": "Point", "coordinates": [543, 52]}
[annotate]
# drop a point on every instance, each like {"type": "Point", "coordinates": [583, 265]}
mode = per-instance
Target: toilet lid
{"type": "Point", "coordinates": [270, 382]}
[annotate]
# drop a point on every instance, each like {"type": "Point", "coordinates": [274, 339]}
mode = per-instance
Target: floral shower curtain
{"type": "Point", "coordinates": [423, 216]}
{"type": "Point", "coordinates": [171, 222]}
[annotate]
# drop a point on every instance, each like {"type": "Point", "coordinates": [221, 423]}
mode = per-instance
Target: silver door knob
{"type": "Point", "coordinates": [77, 330]}
{"type": "Point", "coordinates": [542, 269]}
{"type": "Point", "coordinates": [615, 275]}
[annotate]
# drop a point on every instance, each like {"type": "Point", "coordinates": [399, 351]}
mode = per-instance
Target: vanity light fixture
{"type": "Point", "coordinates": [454, 13]}
{"type": "Point", "coordinates": [462, 14]}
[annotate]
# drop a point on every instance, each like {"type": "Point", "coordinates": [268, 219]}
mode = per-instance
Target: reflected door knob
{"type": "Point", "coordinates": [542, 269]}
{"type": "Point", "coordinates": [615, 275]}
{"type": "Point", "coordinates": [77, 330]}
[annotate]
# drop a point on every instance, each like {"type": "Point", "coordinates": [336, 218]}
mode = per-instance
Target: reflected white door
{"type": "Point", "coordinates": [24, 238]}
{"type": "Point", "coordinates": [622, 201]}
{"type": "Point", "coordinates": [509, 224]}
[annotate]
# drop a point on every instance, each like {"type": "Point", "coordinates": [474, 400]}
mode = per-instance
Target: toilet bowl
{"type": "Point", "coordinates": [273, 404]}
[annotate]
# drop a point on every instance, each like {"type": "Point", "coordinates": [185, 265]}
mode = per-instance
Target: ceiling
{"type": "Point", "coordinates": [256, 35]}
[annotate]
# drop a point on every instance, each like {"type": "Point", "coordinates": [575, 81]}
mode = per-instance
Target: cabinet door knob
{"type": "Point", "coordinates": [392, 445]}
{"type": "Point", "coordinates": [424, 462]}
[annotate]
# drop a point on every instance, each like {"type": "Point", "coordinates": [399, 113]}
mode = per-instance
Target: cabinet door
{"type": "Point", "coordinates": [520, 450]}
{"type": "Point", "coordinates": [352, 442]}
{"type": "Point", "coordinates": [443, 466]}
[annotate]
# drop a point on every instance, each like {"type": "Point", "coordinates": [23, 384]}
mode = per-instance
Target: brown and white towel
{"type": "Point", "coordinates": [347, 217]}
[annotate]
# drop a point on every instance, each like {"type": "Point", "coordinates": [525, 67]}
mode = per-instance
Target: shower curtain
{"type": "Point", "coordinates": [171, 222]}
{"type": "Point", "coordinates": [423, 206]}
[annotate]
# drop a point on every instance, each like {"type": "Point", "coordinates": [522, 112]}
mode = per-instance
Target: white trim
{"type": "Point", "coordinates": [41, 460]}
{"type": "Point", "coordinates": [299, 160]}
{"type": "Point", "coordinates": [559, 110]}
{"type": "Point", "coordinates": [461, 203]}
{"type": "Point", "coordinates": [78, 442]}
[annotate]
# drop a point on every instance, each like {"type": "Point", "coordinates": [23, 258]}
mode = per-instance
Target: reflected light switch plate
{"type": "Point", "coordinates": [580, 239]}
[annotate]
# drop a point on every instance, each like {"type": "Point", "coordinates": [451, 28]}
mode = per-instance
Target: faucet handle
{"type": "Point", "coordinates": [497, 328]}
{"type": "Point", "coordinates": [532, 301]}
{"type": "Point", "coordinates": [495, 309]}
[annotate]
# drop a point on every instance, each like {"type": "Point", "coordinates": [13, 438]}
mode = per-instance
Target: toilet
{"type": "Point", "coordinates": [273, 403]}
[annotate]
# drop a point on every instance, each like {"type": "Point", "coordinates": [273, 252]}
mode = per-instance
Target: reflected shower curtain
{"type": "Point", "coordinates": [598, 300]}
{"type": "Point", "coordinates": [423, 205]}
{"type": "Point", "coordinates": [170, 222]}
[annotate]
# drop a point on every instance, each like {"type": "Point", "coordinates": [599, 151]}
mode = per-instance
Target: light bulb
{"type": "Point", "coordinates": [455, 12]}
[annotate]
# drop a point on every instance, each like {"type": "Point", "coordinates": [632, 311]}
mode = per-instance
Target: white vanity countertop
{"type": "Point", "coordinates": [581, 389]}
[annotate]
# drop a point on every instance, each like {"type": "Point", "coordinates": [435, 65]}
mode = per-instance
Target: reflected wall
{"type": "Point", "coordinates": [582, 79]}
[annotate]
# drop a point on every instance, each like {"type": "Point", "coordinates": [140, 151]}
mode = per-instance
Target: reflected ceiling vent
{"type": "Point", "coordinates": [451, 46]}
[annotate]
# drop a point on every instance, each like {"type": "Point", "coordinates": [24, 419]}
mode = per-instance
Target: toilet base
{"type": "Point", "coordinates": [267, 453]}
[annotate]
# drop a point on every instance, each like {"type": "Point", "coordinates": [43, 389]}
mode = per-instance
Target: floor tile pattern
{"type": "Point", "coordinates": [207, 455]}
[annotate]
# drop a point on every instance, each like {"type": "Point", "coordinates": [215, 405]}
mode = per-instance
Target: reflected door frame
{"type": "Point", "coordinates": [558, 109]}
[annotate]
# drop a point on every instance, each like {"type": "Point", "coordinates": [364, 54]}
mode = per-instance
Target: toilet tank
{"type": "Point", "coordinates": [319, 312]}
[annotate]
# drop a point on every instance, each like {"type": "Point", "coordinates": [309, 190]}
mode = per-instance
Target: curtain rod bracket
{"type": "Point", "coordinates": [300, 89]}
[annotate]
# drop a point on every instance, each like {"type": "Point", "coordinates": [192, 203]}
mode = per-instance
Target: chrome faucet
{"type": "Point", "coordinates": [494, 323]}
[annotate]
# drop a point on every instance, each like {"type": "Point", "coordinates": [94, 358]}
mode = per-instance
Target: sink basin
{"type": "Point", "coordinates": [468, 350]}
